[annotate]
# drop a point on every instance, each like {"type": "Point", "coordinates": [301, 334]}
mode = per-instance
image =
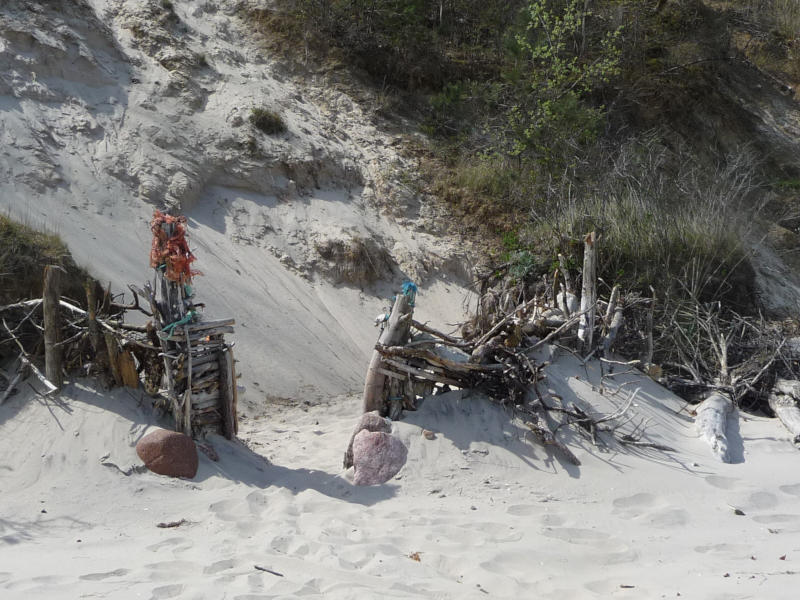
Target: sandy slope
{"type": "Point", "coordinates": [108, 111]}
{"type": "Point", "coordinates": [487, 511]}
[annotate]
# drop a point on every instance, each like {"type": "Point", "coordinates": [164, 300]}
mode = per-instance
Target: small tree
{"type": "Point", "coordinates": [560, 68]}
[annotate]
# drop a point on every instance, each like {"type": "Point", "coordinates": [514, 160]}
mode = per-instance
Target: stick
{"type": "Point", "coordinates": [52, 331]}
{"type": "Point", "coordinates": [588, 292]}
{"type": "Point", "coordinates": [266, 570]}
{"type": "Point", "coordinates": [442, 336]}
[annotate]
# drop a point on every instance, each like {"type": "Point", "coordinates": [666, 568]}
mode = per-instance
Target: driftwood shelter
{"type": "Point", "coordinates": [496, 354]}
{"type": "Point", "coordinates": [180, 358]}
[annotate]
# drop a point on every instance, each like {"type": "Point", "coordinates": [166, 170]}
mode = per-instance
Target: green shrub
{"type": "Point", "coordinates": [267, 121]}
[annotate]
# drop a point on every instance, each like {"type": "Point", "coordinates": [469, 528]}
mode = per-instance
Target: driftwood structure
{"type": "Point", "coordinates": [183, 361]}
{"type": "Point", "coordinates": [495, 354]}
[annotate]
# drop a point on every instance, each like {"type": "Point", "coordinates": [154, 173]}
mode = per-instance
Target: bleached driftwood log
{"type": "Point", "coordinates": [613, 320]}
{"type": "Point", "coordinates": [588, 292]}
{"type": "Point", "coordinates": [711, 423]}
{"type": "Point", "coordinates": [784, 402]}
{"type": "Point", "coordinates": [396, 333]}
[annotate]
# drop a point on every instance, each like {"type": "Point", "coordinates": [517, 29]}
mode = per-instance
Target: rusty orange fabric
{"type": "Point", "coordinates": [171, 250]}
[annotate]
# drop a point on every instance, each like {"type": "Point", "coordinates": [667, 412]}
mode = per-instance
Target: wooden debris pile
{"type": "Point", "coordinates": [495, 352]}
{"type": "Point", "coordinates": [182, 360]}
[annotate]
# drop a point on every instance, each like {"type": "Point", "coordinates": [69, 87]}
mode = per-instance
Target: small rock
{"type": "Point", "coordinates": [429, 435]}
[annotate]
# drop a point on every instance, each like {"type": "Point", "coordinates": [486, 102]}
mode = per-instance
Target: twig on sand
{"type": "Point", "coordinates": [266, 570]}
{"type": "Point", "coordinates": [170, 524]}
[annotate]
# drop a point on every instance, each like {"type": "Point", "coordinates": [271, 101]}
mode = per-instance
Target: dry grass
{"type": "Point", "coordinates": [24, 252]}
{"type": "Point", "coordinates": [355, 261]}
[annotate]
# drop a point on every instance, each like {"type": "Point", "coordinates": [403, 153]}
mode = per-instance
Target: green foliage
{"type": "Point", "coordinates": [559, 72]}
{"type": "Point", "coordinates": [267, 121]}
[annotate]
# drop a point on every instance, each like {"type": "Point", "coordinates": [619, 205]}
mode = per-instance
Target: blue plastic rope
{"type": "Point", "coordinates": [170, 329]}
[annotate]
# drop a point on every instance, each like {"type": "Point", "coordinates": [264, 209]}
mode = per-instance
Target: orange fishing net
{"type": "Point", "coordinates": [170, 248]}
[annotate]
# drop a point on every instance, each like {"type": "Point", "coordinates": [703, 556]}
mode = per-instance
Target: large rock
{"type": "Point", "coordinates": [168, 453]}
{"type": "Point", "coordinates": [370, 421]}
{"type": "Point", "coordinates": [377, 457]}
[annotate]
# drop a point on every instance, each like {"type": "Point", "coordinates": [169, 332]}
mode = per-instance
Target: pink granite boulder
{"type": "Point", "coordinates": [168, 453]}
{"type": "Point", "coordinates": [377, 457]}
{"type": "Point", "coordinates": [370, 421]}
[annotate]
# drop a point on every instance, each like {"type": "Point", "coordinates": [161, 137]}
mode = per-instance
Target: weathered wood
{"type": "Point", "coordinates": [613, 320]}
{"type": "Point", "coordinates": [113, 356]}
{"type": "Point", "coordinates": [588, 292]}
{"type": "Point", "coordinates": [784, 403]}
{"type": "Point", "coordinates": [448, 339]}
{"type": "Point", "coordinates": [400, 366]}
{"type": "Point", "coordinates": [711, 423]}
{"type": "Point", "coordinates": [49, 386]}
{"type": "Point", "coordinates": [204, 399]}
{"type": "Point", "coordinates": [12, 383]}
{"type": "Point", "coordinates": [538, 425]}
{"type": "Point", "coordinates": [127, 368]}
{"type": "Point", "coordinates": [52, 324]}
{"type": "Point", "coordinates": [227, 393]}
{"type": "Point", "coordinates": [396, 332]}
{"type": "Point", "coordinates": [203, 325]}
{"type": "Point", "coordinates": [95, 338]}
{"type": "Point", "coordinates": [171, 392]}
{"type": "Point", "coordinates": [433, 358]}
{"type": "Point", "coordinates": [200, 335]}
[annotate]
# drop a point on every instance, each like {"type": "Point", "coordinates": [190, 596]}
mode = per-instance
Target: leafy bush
{"type": "Point", "coordinates": [267, 121]}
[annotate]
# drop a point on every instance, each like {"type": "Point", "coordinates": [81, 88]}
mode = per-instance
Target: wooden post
{"type": "Point", "coordinates": [588, 292]}
{"type": "Point", "coordinates": [227, 392]}
{"type": "Point", "coordinates": [395, 334]}
{"type": "Point", "coordinates": [52, 334]}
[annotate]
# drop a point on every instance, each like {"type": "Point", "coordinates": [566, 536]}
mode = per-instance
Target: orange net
{"type": "Point", "coordinates": [170, 250]}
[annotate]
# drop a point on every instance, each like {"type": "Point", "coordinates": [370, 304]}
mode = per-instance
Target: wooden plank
{"type": "Point", "coordinates": [226, 384]}
{"type": "Point", "coordinates": [202, 325]}
{"type": "Point", "coordinates": [421, 374]}
{"type": "Point", "coordinates": [200, 336]}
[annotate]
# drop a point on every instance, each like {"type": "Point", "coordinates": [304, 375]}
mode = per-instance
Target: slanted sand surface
{"type": "Point", "coordinates": [478, 511]}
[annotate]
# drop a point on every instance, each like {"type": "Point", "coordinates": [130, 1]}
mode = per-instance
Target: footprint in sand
{"type": "Point", "coordinates": [552, 520]}
{"type": "Point", "coordinates": [220, 565]}
{"type": "Point", "coordinates": [670, 517]}
{"type": "Point", "coordinates": [763, 500]}
{"type": "Point", "coordinates": [177, 544]}
{"type": "Point", "coordinates": [521, 510]}
{"type": "Point", "coordinates": [735, 549]}
{"type": "Point", "coordinates": [166, 591]}
{"type": "Point", "coordinates": [723, 483]}
{"type": "Point", "coordinates": [792, 490]}
{"type": "Point", "coordinates": [101, 576]}
{"type": "Point", "coordinates": [630, 507]}
{"type": "Point", "coordinates": [573, 535]}
{"type": "Point", "coordinates": [780, 518]}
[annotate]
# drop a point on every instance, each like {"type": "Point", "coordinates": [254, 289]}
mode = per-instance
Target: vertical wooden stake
{"type": "Point", "coordinates": [50, 306]}
{"type": "Point", "coordinates": [588, 292]}
{"type": "Point", "coordinates": [395, 333]}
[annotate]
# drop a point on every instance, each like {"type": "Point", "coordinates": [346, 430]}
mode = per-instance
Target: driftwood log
{"type": "Point", "coordinates": [712, 423]}
{"type": "Point", "coordinates": [784, 403]}
{"type": "Point", "coordinates": [396, 332]}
